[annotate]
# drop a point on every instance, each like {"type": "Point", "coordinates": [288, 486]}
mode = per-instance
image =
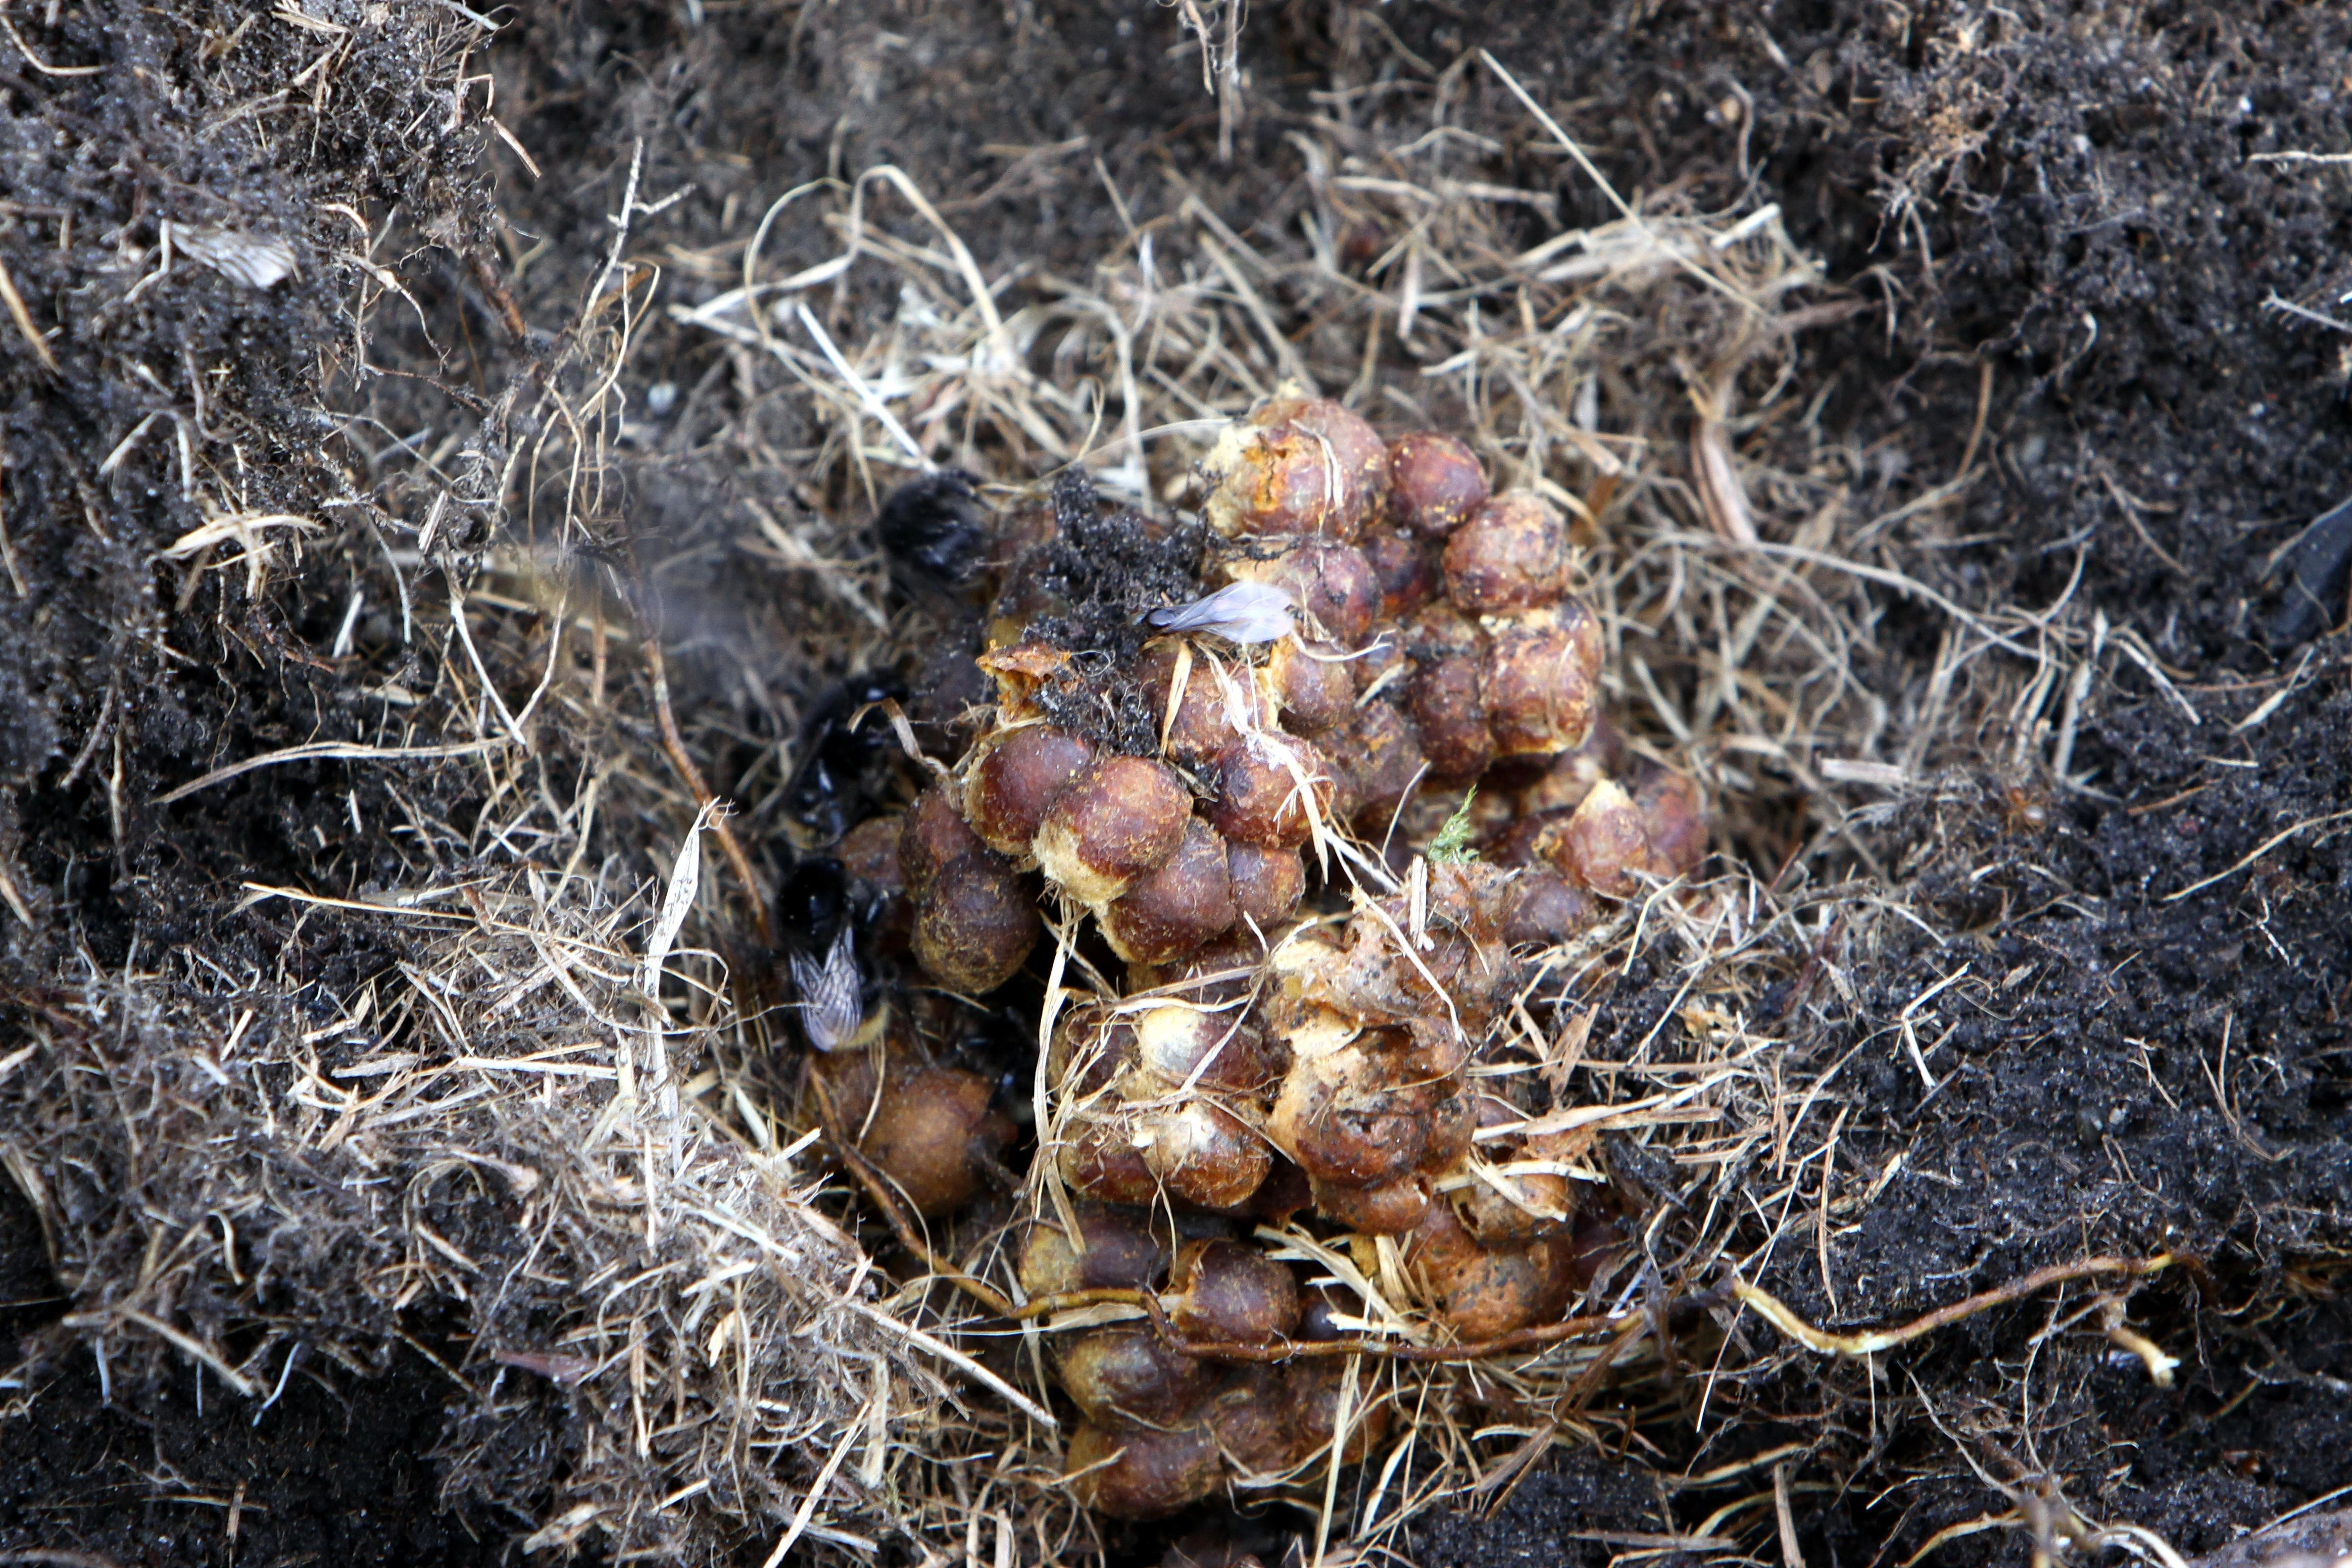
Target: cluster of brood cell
{"type": "Point", "coordinates": [1270, 1057]}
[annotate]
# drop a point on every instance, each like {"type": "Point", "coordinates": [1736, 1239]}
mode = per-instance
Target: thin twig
{"type": "Point", "coordinates": [674, 747]}
{"type": "Point", "coordinates": [1871, 1341]}
{"type": "Point", "coordinates": [16, 302]}
{"type": "Point", "coordinates": [2265, 847]}
{"type": "Point", "coordinates": [316, 750]}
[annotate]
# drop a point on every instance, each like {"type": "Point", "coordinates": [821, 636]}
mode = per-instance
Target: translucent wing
{"type": "Point", "coordinates": [253, 259]}
{"type": "Point", "coordinates": [832, 1011]}
{"type": "Point", "coordinates": [1242, 612]}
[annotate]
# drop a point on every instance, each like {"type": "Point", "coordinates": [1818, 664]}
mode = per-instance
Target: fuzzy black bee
{"type": "Point", "coordinates": [817, 900]}
{"type": "Point", "coordinates": [822, 916]}
{"type": "Point", "coordinates": [935, 531]}
{"type": "Point", "coordinates": [846, 747]}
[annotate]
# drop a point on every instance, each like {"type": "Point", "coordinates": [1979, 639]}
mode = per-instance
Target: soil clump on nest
{"type": "Point", "coordinates": [439, 403]}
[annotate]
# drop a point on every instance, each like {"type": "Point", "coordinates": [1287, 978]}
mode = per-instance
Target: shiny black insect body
{"type": "Point", "coordinates": [935, 531]}
{"type": "Point", "coordinates": [817, 900]}
{"type": "Point", "coordinates": [847, 750]}
{"type": "Point", "coordinates": [824, 921]}
{"type": "Point", "coordinates": [2318, 569]}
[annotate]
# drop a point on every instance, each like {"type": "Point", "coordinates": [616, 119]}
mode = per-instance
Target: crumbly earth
{"type": "Point", "coordinates": [2148, 1049]}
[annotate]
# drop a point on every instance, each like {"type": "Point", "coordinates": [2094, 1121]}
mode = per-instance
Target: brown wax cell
{"type": "Point", "coordinates": [976, 925]}
{"type": "Point", "coordinates": [1438, 1247]}
{"type": "Point", "coordinates": [1206, 1156]}
{"type": "Point", "coordinates": [1501, 1289]}
{"type": "Point", "coordinates": [1231, 1292]}
{"type": "Point", "coordinates": [1335, 591]}
{"type": "Point", "coordinates": [1175, 910]}
{"type": "Point", "coordinates": [950, 688]}
{"type": "Point", "coordinates": [1482, 1291]}
{"type": "Point", "coordinates": [1317, 690]}
{"type": "Point", "coordinates": [1541, 680]}
{"type": "Point", "coordinates": [1100, 1159]}
{"type": "Point", "coordinates": [1269, 789]}
{"type": "Point", "coordinates": [1252, 1420]}
{"type": "Point", "coordinates": [1118, 818]}
{"type": "Point", "coordinates": [1318, 1390]}
{"type": "Point", "coordinates": [1121, 1373]}
{"type": "Point", "coordinates": [1378, 757]}
{"type": "Point", "coordinates": [1536, 1203]}
{"type": "Point", "coordinates": [1142, 1472]}
{"type": "Point", "coordinates": [1331, 587]}
{"type": "Point", "coordinates": [1674, 818]}
{"type": "Point", "coordinates": [1564, 784]}
{"type": "Point", "coordinates": [1511, 554]}
{"type": "Point", "coordinates": [1435, 482]}
{"type": "Point", "coordinates": [926, 1128]}
{"type": "Point", "coordinates": [1603, 844]}
{"type": "Point", "coordinates": [1516, 844]}
{"type": "Point", "coordinates": [1017, 776]}
{"type": "Point", "coordinates": [1091, 1047]}
{"type": "Point", "coordinates": [1547, 908]}
{"type": "Point", "coordinates": [1294, 466]}
{"type": "Point", "coordinates": [1026, 597]}
{"type": "Point", "coordinates": [1224, 972]}
{"type": "Point", "coordinates": [1117, 1253]}
{"type": "Point", "coordinates": [847, 1081]}
{"type": "Point", "coordinates": [1285, 1191]}
{"type": "Point", "coordinates": [1026, 527]}
{"type": "Point", "coordinates": [869, 852]}
{"type": "Point", "coordinates": [1385, 1208]}
{"type": "Point", "coordinates": [1496, 1103]}
{"type": "Point", "coordinates": [1267, 883]}
{"type": "Point", "coordinates": [1287, 1000]}
{"type": "Point", "coordinates": [1406, 572]}
{"type": "Point", "coordinates": [1449, 714]}
{"type": "Point", "coordinates": [932, 833]}
{"type": "Point", "coordinates": [1221, 700]}
{"type": "Point", "coordinates": [1174, 1042]}
{"type": "Point", "coordinates": [1381, 667]}
{"type": "Point", "coordinates": [1452, 1121]}
{"type": "Point", "coordinates": [1320, 1307]}
{"type": "Point", "coordinates": [1596, 1245]}
{"type": "Point", "coordinates": [1463, 969]}
{"type": "Point", "coordinates": [1470, 896]}
{"type": "Point", "coordinates": [1173, 1037]}
{"type": "Point", "coordinates": [1344, 1121]}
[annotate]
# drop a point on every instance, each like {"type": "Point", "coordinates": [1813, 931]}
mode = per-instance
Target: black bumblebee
{"type": "Point", "coordinates": [822, 916]}
{"type": "Point", "coordinates": [935, 531]}
{"type": "Point", "coordinates": [847, 750]}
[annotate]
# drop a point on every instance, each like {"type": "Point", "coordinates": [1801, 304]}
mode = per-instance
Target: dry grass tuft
{"type": "Point", "coordinates": [492, 1139]}
{"type": "Point", "coordinates": [445, 1084]}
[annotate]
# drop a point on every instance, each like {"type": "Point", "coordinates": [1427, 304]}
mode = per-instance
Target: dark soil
{"type": "Point", "coordinates": [339, 1469]}
{"type": "Point", "coordinates": [2148, 1049]}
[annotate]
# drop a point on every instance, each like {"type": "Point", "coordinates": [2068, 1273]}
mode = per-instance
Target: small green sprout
{"type": "Point", "coordinates": [1451, 845]}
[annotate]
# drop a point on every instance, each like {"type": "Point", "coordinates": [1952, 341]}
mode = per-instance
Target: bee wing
{"type": "Point", "coordinates": [1241, 612]}
{"type": "Point", "coordinates": [255, 260]}
{"type": "Point", "coordinates": [832, 1010]}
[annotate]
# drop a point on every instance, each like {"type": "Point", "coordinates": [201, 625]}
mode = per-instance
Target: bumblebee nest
{"type": "Point", "coordinates": [1251, 1076]}
{"type": "Point", "coordinates": [1349, 1081]}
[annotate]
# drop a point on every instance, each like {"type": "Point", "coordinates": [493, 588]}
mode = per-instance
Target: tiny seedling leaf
{"type": "Point", "coordinates": [1451, 845]}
